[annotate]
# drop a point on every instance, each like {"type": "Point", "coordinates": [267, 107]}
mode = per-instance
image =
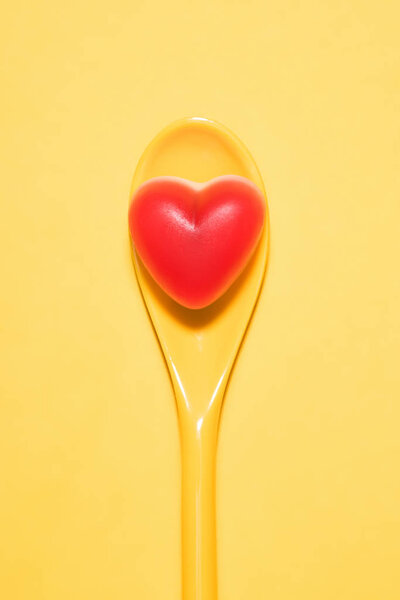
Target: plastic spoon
{"type": "Point", "coordinates": [200, 346]}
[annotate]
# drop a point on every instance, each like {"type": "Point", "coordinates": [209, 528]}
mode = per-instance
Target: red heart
{"type": "Point", "coordinates": [195, 239]}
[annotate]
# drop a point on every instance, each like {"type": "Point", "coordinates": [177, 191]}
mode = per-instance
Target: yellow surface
{"type": "Point", "coordinates": [308, 468]}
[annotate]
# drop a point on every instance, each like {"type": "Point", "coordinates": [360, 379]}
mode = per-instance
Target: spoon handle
{"type": "Point", "coordinates": [199, 554]}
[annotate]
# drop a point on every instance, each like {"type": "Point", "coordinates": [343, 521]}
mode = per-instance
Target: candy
{"type": "Point", "coordinates": [195, 239]}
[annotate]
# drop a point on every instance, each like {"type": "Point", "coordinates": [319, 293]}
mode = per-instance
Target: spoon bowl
{"type": "Point", "coordinates": [200, 346]}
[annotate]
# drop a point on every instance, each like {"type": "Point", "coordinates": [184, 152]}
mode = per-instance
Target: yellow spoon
{"type": "Point", "coordinates": [200, 346]}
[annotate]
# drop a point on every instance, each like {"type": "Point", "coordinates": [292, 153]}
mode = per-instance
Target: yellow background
{"type": "Point", "coordinates": [309, 455]}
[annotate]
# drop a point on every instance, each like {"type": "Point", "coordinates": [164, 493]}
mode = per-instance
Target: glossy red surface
{"type": "Point", "coordinates": [195, 239]}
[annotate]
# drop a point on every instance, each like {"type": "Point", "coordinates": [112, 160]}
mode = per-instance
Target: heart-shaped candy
{"type": "Point", "coordinates": [196, 238]}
